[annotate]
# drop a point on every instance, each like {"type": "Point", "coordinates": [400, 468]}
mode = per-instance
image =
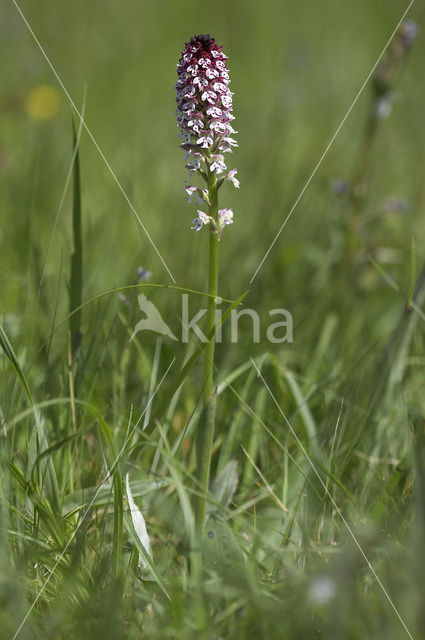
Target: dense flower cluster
{"type": "Point", "coordinates": [204, 116]}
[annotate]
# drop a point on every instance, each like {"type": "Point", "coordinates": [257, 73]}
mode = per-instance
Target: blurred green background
{"type": "Point", "coordinates": [295, 68]}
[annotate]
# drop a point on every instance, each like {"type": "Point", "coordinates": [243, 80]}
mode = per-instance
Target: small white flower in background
{"type": "Point", "coordinates": [138, 523]}
{"type": "Point", "coordinates": [322, 590]}
{"type": "Point", "coordinates": [384, 105]}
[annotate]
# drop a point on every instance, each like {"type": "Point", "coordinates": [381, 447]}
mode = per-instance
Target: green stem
{"type": "Point", "coordinates": [205, 436]}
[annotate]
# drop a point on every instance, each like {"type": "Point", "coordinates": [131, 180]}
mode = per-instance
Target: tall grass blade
{"type": "Point", "coordinates": [76, 282]}
{"type": "Point", "coordinates": [11, 356]}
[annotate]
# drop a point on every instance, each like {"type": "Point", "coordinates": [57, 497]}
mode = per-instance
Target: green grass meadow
{"type": "Point", "coordinates": [316, 508]}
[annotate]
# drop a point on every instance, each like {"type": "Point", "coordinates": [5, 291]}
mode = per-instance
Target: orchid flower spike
{"type": "Point", "coordinates": [204, 117]}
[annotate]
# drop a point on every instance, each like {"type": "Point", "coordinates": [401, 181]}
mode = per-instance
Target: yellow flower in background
{"type": "Point", "coordinates": [43, 102]}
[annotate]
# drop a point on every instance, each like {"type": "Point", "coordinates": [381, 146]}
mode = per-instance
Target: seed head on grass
{"type": "Point", "coordinates": [204, 116]}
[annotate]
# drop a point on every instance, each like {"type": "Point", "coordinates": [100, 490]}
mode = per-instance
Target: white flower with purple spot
{"type": "Point", "coordinates": [218, 165]}
{"type": "Point", "coordinates": [198, 222]}
{"type": "Point", "coordinates": [191, 192]}
{"type": "Point", "coordinates": [230, 175]}
{"type": "Point", "coordinates": [225, 217]}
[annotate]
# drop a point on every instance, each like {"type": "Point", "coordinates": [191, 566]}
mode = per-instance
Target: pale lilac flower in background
{"type": "Point", "coordinates": [124, 299]}
{"type": "Point", "coordinates": [393, 204]}
{"type": "Point", "coordinates": [340, 186]}
{"type": "Point", "coordinates": [204, 116]}
{"type": "Point", "coordinates": [408, 33]}
{"type": "Point", "coordinates": [143, 274]}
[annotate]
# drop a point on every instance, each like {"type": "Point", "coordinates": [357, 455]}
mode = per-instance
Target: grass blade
{"type": "Point", "coordinates": [76, 282]}
{"type": "Point", "coordinates": [11, 356]}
